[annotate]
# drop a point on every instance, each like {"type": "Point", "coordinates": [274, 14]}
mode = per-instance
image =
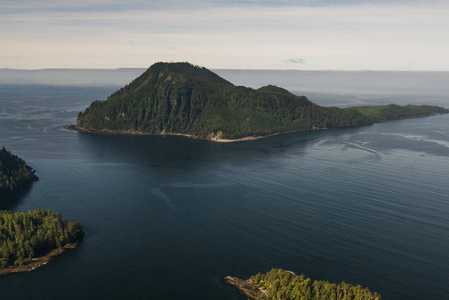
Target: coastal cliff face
{"type": "Point", "coordinates": [180, 98]}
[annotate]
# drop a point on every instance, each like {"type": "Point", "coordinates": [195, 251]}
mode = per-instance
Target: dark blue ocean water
{"type": "Point", "coordinates": [170, 217]}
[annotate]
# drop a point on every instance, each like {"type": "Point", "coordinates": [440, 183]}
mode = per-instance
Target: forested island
{"type": "Point", "coordinates": [15, 175]}
{"type": "Point", "coordinates": [29, 240]}
{"type": "Point", "coordinates": [183, 99]}
{"type": "Point", "coordinates": [281, 284]}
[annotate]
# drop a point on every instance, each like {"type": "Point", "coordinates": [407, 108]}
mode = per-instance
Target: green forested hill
{"type": "Point", "coordinates": [15, 175]}
{"type": "Point", "coordinates": [186, 99]}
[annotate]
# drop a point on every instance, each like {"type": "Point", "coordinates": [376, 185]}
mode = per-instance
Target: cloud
{"type": "Point", "coordinates": [295, 61]}
{"type": "Point", "coordinates": [259, 36]}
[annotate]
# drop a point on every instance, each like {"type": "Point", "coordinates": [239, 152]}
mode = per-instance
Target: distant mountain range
{"type": "Point", "coordinates": [71, 77]}
{"type": "Point", "coordinates": [180, 98]}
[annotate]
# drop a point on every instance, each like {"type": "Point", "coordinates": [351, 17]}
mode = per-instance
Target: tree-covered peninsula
{"type": "Point", "coordinates": [281, 284]}
{"type": "Point", "coordinates": [15, 175]}
{"type": "Point", "coordinates": [29, 240]}
{"type": "Point", "coordinates": [180, 98]}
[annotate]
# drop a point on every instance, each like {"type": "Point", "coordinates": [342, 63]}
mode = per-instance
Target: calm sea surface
{"type": "Point", "coordinates": [170, 217]}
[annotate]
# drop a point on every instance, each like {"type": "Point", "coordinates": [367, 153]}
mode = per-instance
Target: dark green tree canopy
{"type": "Point", "coordinates": [15, 175]}
{"type": "Point", "coordinates": [24, 236]}
{"type": "Point", "coordinates": [281, 284]}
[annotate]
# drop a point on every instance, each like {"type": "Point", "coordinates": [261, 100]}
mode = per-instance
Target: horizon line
{"type": "Point", "coordinates": [223, 69]}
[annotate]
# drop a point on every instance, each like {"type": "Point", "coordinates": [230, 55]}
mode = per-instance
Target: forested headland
{"type": "Point", "coordinates": [29, 240]}
{"type": "Point", "coordinates": [15, 175]}
{"type": "Point", "coordinates": [25, 236]}
{"type": "Point", "coordinates": [180, 98]}
{"type": "Point", "coordinates": [281, 284]}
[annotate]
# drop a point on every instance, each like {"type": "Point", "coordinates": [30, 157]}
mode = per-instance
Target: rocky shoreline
{"type": "Point", "coordinates": [38, 261]}
{"type": "Point", "coordinates": [213, 138]}
{"type": "Point", "coordinates": [217, 137]}
{"type": "Point", "coordinates": [245, 287]}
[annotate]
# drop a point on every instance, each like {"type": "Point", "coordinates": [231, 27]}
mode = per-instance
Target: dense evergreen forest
{"type": "Point", "coordinates": [281, 284]}
{"type": "Point", "coordinates": [24, 236]}
{"type": "Point", "coordinates": [186, 99]}
{"type": "Point", "coordinates": [394, 112]}
{"type": "Point", "coordinates": [15, 175]}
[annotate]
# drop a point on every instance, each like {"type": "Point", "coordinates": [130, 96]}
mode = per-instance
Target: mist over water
{"type": "Point", "coordinates": [351, 88]}
{"type": "Point", "coordinates": [170, 217]}
{"type": "Point", "coordinates": [70, 77]}
{"type": "Point", "coordinates": [329, 88]}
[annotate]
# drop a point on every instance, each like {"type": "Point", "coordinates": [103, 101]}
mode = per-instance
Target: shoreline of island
{"type": "Point", "coordinates": [246, 287]}
{"type": "Point", "coordinates": [73, 127]}
{"type": "Point", "coordinates": [40, 261]}
{"type": "Point", "coordinates": [216, 137]}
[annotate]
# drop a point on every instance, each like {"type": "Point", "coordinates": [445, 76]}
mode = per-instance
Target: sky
{"type": "Point", "coordinates": [408, 35]}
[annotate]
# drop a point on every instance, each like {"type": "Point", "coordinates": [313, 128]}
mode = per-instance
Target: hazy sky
{"type": "Point", "coordinates": [247, 34]}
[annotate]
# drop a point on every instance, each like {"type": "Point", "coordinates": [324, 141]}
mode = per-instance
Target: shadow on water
{"type": "Point", "coordinates": [11, 203]}
{"type": "Point", "coordinates": [176, 150]}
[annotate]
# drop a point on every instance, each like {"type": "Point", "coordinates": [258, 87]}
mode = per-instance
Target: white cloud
{"type": "Point", "coordinates": [328, 37]}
